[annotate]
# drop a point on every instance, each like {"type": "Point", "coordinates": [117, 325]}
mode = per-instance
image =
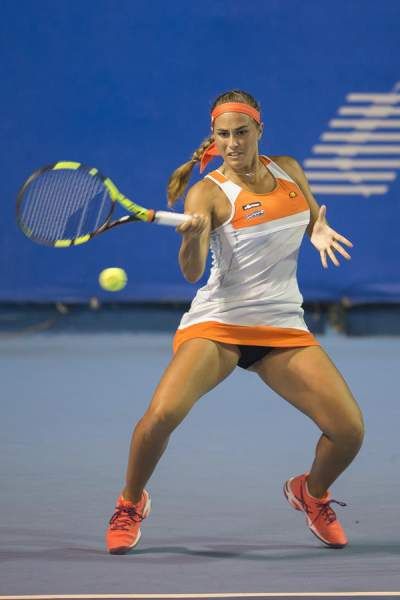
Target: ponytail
{"type": "Point", "coordinates": [180, 177]}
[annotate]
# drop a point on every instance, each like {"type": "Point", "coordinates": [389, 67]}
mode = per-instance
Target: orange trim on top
{"type": "Point", "coordinates": [264, 159]}
{"type": "Point", "coordinates": [257, 335]}
{"type": "Point", "coordinates": [250, 209]}
{"type": "Point", "coordinates": [253, 209]}
{"type": "Point", "coordinates": [218, 176]}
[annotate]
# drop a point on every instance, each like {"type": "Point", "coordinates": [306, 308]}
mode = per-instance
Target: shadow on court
{"type": "Point", "coordinates": [251, 552]}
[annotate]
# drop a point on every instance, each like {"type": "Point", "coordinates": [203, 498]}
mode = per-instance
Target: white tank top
{"type": "Point", "coordinates": [254, 258]}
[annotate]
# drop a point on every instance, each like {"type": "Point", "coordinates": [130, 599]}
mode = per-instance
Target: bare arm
{"type": "Point", "coordinates": [325, 239]}
{"type": "Point", "coordinates": [196, 233]}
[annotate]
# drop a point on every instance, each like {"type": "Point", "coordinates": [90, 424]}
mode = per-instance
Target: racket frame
{"type": "Point", "coordinates": [138, 213]}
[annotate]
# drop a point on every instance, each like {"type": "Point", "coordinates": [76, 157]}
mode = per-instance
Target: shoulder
{"type": "Point", "coordinates": [201, 196]}
{"type": "Point", "coordinates": [291, 166]}
{"type": "Point", "coordinates": [288, 163]}
{"type": "Point", "coordinates": [204, 187]}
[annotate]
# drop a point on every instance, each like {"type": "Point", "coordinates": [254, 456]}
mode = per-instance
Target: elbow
{"type": "Point", "coordinates": [192, 266]}
{"type": "Point", "coordinates": [191, 273]}
{"type": "Point", "coordinates": [192, 270]}
{"type": "Point", "coordinates": [192, 277]}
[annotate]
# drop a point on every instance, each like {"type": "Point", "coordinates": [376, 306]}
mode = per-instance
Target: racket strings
{"type": "Point", "coordinates": [64, 204]}
{"type": "Point", "coordinates": [58, 190]}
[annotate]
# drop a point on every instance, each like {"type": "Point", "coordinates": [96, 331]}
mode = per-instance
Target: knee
{"type": "Point", "coordinates": [350, 433]}
{"type": "Point", "coordinates": [355, 432]}
{"type": "Point", "coordinates": [159, 421]}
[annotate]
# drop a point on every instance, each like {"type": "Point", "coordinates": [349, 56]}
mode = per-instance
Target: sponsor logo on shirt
{"type": "Point", "coordinates": [258, 213]}
{"type": "Point", "coordinates": [251, 205]}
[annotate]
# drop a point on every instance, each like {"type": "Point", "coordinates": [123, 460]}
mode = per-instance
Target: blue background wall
{"type": "Point", "coordinates": [127, 85]}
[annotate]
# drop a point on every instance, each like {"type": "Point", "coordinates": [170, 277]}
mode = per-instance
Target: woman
{"type": "Point", "coordinates": [253, 211]}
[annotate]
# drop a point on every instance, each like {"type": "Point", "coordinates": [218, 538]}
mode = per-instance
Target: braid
{"type": "Point", "coordinates": [180, 177]}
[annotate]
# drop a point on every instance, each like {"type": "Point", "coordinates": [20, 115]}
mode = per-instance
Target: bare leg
{"type": "Point", "coordinates": [308, 379]}
{"type": "Point", "coordinates": [197, 367]}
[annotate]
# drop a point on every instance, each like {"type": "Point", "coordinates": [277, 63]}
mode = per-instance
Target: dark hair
{"type": "Point", "coordinates": [236, 96]}
{"type": "Point", "coordinates": [180, 177]}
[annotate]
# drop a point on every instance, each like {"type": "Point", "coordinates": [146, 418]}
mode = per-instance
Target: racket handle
{"type": "Point", "coordinates": [163, 217]}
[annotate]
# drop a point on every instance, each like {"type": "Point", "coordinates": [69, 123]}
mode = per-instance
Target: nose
{"type": "Point", "coordinates": [233, 141]}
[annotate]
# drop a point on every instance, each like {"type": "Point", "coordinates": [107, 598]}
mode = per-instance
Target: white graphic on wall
{"type": "Point", "coordinates": [360, 154]}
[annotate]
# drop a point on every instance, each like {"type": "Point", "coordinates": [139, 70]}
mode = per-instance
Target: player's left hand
{"type": "Point", "coordinates": [327, 241]}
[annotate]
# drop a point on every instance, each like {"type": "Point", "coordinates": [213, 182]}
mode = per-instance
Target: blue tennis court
{"type": "Point", "coordinates": [220, 523]}
{"type": "Point", "coordinates": [283, 120]}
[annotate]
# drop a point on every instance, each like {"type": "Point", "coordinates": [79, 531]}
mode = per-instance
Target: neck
{"type": "Point", "coordinates": [249, 173]}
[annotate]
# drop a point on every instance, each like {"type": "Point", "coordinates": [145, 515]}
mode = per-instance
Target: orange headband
{"type": "Point", "coordinates": [240, 107]}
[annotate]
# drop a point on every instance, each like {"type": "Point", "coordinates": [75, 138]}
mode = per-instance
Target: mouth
{"type": "Point", "coordinates": [234, 154]}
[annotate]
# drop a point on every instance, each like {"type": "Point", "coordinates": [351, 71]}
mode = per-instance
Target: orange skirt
{"type": "Point", "coordinates": [244, 335]}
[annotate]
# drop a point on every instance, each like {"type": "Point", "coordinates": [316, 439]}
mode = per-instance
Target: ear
{"type": "Point", "coordinates": [261, 130]}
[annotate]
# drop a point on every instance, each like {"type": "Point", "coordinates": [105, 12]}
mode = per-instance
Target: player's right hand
{"type": "Point", "coordinates": [195, 226]}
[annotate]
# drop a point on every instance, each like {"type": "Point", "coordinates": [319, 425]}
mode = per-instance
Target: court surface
{"type": "Point", "coordinates": [220, 524]}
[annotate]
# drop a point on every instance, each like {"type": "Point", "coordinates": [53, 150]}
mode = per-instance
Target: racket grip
{"type": "Point", "coordinates": [163, 217]}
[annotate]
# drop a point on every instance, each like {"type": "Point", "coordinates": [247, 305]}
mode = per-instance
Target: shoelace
{"type": "Point", "coordinates": [325, 510]}
{"type": "Point", "coordinates": [123, 517]}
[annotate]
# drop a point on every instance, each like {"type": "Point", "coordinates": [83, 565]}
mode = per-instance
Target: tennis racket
{"type": "Point", "coordinates": [67, 203]}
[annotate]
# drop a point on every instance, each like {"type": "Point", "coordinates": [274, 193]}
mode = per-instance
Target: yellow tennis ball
{"type": "Point", "coordinates": [113, 279]}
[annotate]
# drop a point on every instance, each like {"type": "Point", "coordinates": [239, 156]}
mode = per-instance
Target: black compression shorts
{"type": "Point", "coordinates": [251, 354]}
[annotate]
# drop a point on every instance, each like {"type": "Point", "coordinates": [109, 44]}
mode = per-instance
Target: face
{"type": "Point", "coordinates": [236, 137]}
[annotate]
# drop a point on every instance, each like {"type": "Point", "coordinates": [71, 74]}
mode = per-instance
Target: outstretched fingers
{"type": "Point", "coordinates": [341, 250]}
{"type": "Point", "coordinates": [343, 240]}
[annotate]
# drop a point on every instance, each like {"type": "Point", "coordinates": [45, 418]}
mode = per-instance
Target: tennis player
{"type": "Point", "coordinates": [253, 212]}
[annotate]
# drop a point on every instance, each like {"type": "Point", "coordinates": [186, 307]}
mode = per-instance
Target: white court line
{"type": "Point", "coordinates": [215, 595]}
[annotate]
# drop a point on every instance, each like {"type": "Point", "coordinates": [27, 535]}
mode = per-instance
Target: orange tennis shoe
{"type": "Point", "coordinates": [123, 532]}
{"type": "Point", "coordinates": [320, 517]}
